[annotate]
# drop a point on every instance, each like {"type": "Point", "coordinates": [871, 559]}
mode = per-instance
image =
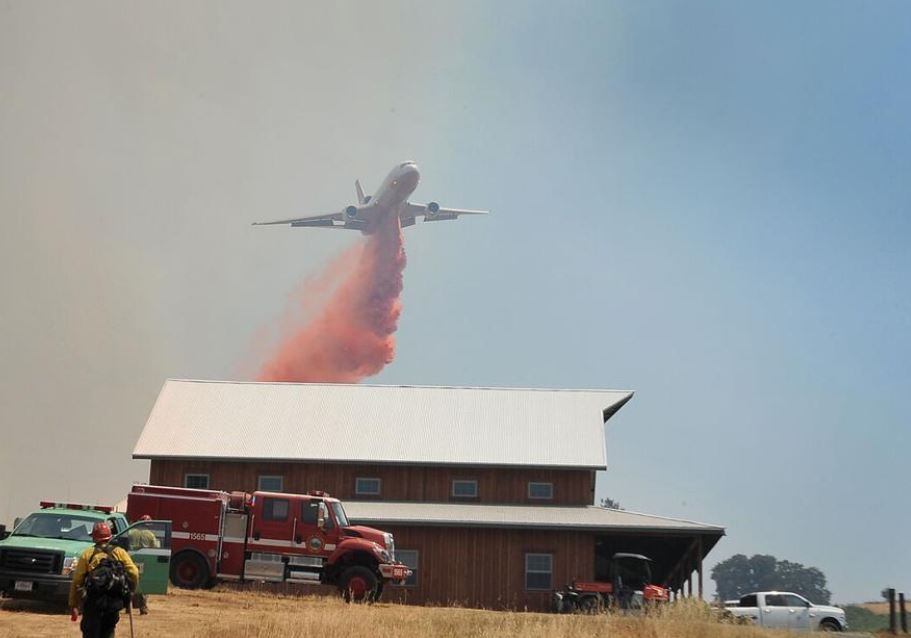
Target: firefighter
{"type": "Point", "coordinates": [143, 536]}
{"type": "Point", "coordinates": [104, 577]}
{"type": "Point", "coordinates": [139, 539]}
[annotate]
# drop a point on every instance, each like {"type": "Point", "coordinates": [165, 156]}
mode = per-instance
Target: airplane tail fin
{"type": "Point", "coordinates": [360, 193]}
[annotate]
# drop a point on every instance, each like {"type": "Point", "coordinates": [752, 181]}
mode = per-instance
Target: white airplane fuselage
{"type": "Point", "coordinates": [389, 198]}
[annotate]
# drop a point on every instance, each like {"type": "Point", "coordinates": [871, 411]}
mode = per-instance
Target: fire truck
{"type": "Point", "coordinates": [630, 588]}
{"type": "Point", "coordinates": [271, 537]}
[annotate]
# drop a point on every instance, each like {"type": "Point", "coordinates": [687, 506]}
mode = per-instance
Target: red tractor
{"type": "Point", "coordinates": [630, 589]}
{"type": "Point", "coordinates": [268, 536]}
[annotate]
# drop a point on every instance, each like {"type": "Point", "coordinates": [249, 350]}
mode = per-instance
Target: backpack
{"type": "Point", "coordinates": [107, 582]}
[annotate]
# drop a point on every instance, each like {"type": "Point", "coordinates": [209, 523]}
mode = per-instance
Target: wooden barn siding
{"type": "Point", "coordinates": [400, 483]}
{"type": "Point", "coordinates": [477, 567]}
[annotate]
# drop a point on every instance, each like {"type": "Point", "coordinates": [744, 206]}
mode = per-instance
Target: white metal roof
{"type": "Point", "coordinates": [524, 516]}
{"type": "Point", "coordinates": [379, 424]}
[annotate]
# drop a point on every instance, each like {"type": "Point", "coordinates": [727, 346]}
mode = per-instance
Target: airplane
{"type": "Point", "coordinates": [391, 198]}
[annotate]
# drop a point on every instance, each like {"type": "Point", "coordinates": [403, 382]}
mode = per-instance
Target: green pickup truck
{"type": "Point", "coordinates": [38, 558]}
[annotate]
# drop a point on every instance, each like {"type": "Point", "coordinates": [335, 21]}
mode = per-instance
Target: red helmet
{"type": "Point", "coordinates": [145, 517]}
{"type": "Point", "coordinates": [101, 532]}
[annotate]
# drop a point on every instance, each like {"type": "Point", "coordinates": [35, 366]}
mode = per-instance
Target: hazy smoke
{"type": "Point", "coordinates": [351, 337]}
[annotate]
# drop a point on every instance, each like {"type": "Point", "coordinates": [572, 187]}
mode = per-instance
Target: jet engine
{"type": "Point", "coordinates": [433, 208]}
{"type": "Point", "coordinates": [351, 212]}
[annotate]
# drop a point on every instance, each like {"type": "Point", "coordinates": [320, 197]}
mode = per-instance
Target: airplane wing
{"type": "Point", "coordinates": [328, 220]}
{"type": "Point", "coordinates": [434, 212]}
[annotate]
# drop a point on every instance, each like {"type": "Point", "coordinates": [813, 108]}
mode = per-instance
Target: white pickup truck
{"type": "Point", "coordinates": [784, 610]}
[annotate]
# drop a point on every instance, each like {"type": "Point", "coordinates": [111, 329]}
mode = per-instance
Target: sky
{"type": "Point", "coordinates": [704, 202]}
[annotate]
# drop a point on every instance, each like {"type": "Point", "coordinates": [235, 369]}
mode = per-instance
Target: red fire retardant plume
{"type": "Point", "coordinates": [352, 336]}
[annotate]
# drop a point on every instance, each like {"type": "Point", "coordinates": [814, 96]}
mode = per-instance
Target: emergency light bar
{"type": "Point", "coordinates": [76, 506]}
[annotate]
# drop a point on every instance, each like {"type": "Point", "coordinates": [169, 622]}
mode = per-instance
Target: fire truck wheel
{"type": "Point", "coordinates": [358, 585]}
{"type": "Point", "coordinates": [189, 571]}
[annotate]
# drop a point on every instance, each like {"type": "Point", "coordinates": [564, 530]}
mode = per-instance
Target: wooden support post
{"type": "Point", "coordinates": [689, 571]}
{"type": "Point", "coordinates": [699, 567]}
{"type": "Point", "coordinates": [678, 576]}
{"type": "Point", "coordinates": [902, 613]}
{"type": "Point", "coordinates": [890, 594]}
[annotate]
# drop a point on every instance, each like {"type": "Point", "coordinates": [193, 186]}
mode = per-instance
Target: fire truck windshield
{"type": "Point", "coordinates": [70, 527]}
{"type": "Point", "coordinates": [339, 512]}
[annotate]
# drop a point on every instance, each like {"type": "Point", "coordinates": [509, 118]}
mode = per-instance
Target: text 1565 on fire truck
{"type": "Point", "coordinates": [269, 536]}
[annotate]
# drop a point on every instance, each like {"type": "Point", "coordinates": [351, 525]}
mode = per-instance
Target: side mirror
{"type": "Point", "coordinates": [122, 542]}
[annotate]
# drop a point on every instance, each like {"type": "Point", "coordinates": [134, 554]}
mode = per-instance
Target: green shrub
{"type": "Point", "coordinates": [860, 619]}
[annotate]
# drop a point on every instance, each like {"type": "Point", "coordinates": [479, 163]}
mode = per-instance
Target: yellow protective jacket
{"type": "Point", "coordinates": [90, 559]}
{"type": "Point", "coordinates": [141, 538]}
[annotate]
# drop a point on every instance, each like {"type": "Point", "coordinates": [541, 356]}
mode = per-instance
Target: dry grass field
{"type": "Point", "coordinates": [223, 613]}
{"type": "Point", "coordinates": [880, 608]}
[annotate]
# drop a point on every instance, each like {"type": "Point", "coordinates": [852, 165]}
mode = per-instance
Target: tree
{"type": "Point", "coordinates": [739, 575]}
{"type": "Point", "coordinates": [610, 503]}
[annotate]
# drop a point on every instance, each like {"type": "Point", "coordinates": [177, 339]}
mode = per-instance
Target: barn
{"type": "Point", "coordinates": [488, 491]}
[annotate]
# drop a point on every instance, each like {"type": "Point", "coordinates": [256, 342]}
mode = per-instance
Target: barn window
{"type": "Point", "coordinates": [268, 483]}
{"type": "Point", "coordinates": [275, 509]}
{"type": "Point", "coordinates": [465, 489]}
{"type": "Point", "coordinates": [196, 481]}
{"type": "Point", "coordinates": [539, 570]}
{"type": "Point", "coordinates": [411, 558]}
{"type": "Point", "coordinates": [368, 486]}
{"type": "Point", "coordinates": [541, 491]}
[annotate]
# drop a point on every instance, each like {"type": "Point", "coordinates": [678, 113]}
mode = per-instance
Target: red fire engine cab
{"type": "Point", "coordinates": [268, 536]}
